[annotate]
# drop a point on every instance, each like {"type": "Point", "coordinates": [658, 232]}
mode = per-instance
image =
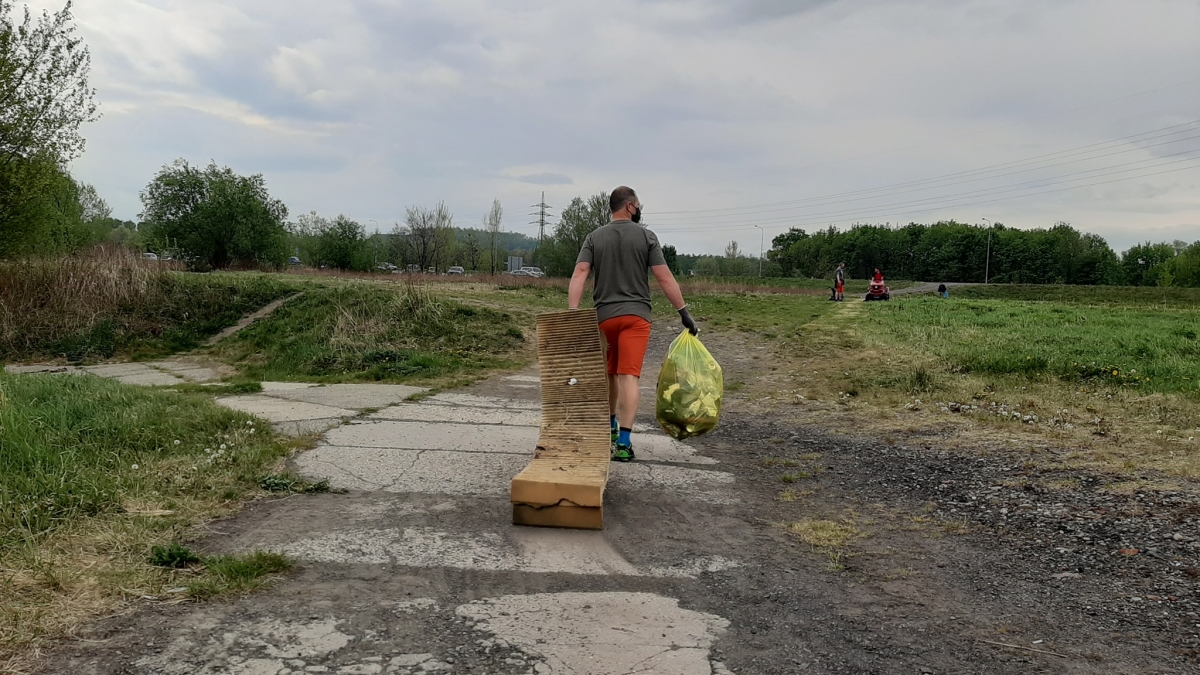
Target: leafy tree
{"type": "Point", "coordinates": [44, 92]}
{"type": "Point", "coordinates": [707, 266]}
{"type": "Point", "coordinates": [94, 208]}
{"type": "Point", "coordinates": [579, 219]}
{"type": "Point", "coordinates": [672, 258]}
{"type": "Point", "coordinates": [215, 218]}
{"type": "Point", "coordinates": [342, 244]}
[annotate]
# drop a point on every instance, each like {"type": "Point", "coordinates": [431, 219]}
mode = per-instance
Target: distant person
{"type": "Point", "coordinates": [620, 254]}
{"type": "Point", "coordinates": [878, 278]}
{"type": "Point", "coordinates": [839, 283]}
{"type": "Point", "coordinates": [942, 291]}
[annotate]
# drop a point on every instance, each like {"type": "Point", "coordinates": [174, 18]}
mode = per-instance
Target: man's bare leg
{"type": "Point", "coordinates": [613, 389]}
{"type": "Point", "coordinates": [627, 399]}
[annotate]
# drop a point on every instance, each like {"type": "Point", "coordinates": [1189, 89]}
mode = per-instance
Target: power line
{"type": "Point", "coordinates": [1084, 149]}
{"type": "Point", "coordinates": [889, 212]}
{"type": "Point", "coordinates": [967, 135]}
{"type": "Point", "coordinates": [1041, 182]}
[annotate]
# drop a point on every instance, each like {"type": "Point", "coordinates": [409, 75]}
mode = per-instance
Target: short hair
{"type": "Point", "coordinates": [620, 197]}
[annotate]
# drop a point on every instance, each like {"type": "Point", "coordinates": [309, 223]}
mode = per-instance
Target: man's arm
{"type": "Point", "coordinates": [578, 281]}
{"type": "Point", "coordinates": [670, 288]}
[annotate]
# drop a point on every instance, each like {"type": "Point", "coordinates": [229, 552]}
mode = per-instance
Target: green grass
{"type": "Point", "coordinates": [98, 479]}
{"type": "Point", "coordinates": [364, 332]}
{"type": "Point", "coordinates": [1152, 348]}
{"type": "Point", "coordinates": [75, 447]}
{"type": "Point", "coordinates": [237, 573]}
{"type": "Point", "coordinates": [1145, 297]}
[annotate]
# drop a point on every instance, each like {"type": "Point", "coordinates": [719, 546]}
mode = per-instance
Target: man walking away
{"type": "Point", "coordinates": [619, 255]}
{"type": "Point", "coordinates": [839, 283]}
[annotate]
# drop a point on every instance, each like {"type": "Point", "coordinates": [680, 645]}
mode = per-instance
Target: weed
{"type": "Point", "coordinates": [788, 496]}
{"type": "Point", "coordinates": [823, 533]}
{"type": "Point", "coordinates": [288, 482]}
{"type": "Point", "coordinates": [794, 476]}
{"type": "Point", "coordinates": [237, 573]}
{"type": "Point", "coordinates": [173, 555]}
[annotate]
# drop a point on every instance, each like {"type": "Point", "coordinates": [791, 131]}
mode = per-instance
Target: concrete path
{"type": "Point", "coordinates": [167, 372]}
{"type": "Point", "coordinates": [416, 568]}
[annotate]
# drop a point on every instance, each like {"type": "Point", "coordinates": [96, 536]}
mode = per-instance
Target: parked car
{"type": "Point", "coordinates": [456, 270]}
{"type": "Point", "coordinates": [150, 256]}
{"type": "Point", "coordinates": [416, 269]}
{"type": "Point", "coordinates": [294, 261]}
{"type": "Point", "coordinates": [533, 271]}
{"type": "Point", "coordinates": [519, 273]}
{"type": "Point", "coordinates": [386, 267]}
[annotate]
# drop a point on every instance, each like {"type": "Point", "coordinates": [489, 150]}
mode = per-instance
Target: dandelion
{"type": "Point", "coordinates": [176, 441]}
{"type": "Point", "coordinates": [249, 424]}
{"type": "Point", "coordinates": [135, 467]}
{"type": "Point", "coordinates": [222, 446]}
{"type": "Point", "coordinates": [1114, 372]}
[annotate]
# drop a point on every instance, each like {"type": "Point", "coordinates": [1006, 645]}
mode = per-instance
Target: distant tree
{"type": "Point", "coordinates": [471, 251]}
{"type": "Point", "coordinates": [214, 217]}
{"type": "Point", "coordinates": [93, 207]}
{"type": "Point", "coordinates": [491, 223]}
{"type": "Point", "coordinates": [579, 219]}
{"type": "Point", "coordinates": [672, 258]}
{"type": "Point", "coordinates": [429, 233]}
{"type": "Point", "coordinates": [707, 266]}
{"type": "Point", "coordinates": [342, 244]}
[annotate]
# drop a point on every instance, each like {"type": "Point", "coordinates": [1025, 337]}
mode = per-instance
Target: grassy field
{"type": "Point", "coordinates": [113, 304]}
{"type": "Point", "coordinates": [1108, 378]}
{"type": "Point", "coordinates": [361, 331]}
{"type": "Point", "coordinates": [96, 475]}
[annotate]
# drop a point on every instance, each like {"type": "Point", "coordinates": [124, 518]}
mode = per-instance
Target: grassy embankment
{"type": "Point", "coordinates": [114, 305]}
{"type": "Point", "coordinates": [376, 332]}
{"type": "Point", "coordinates": [95, 476]}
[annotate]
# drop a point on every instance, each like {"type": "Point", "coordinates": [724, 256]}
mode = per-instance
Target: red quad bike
{"type": "Point", "coordinates": [877, 291]}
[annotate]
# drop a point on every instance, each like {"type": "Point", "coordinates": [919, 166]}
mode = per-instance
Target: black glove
{"type": "Point", "coordinates": [688, 322]}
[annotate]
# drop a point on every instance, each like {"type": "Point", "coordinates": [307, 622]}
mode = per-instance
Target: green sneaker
{"type": "Point", "coordinates": [613, 439]}
{"type": "Point", "coordinates": [622, 453]}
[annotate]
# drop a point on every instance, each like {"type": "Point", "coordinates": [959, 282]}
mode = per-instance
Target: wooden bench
{"type": "Point", "coordinates": [563, 486]}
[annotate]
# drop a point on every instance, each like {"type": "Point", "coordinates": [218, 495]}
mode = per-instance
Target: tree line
{"type": "Point", "coordinates": [960, 252]}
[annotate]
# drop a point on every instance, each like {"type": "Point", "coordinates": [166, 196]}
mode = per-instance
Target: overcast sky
{"type": "Point", "coordinates": [723, 114]}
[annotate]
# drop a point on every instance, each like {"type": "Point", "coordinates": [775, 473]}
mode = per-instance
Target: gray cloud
{"type": "Point", "coordinates": [546, 179]}
{"type": "Point", "coordinates": [368, 106]}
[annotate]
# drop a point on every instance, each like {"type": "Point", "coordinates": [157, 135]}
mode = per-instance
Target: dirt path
{"type": "Point", "coordinates": [245, 321]}
{"type": "Point", "coordinates": [416, 569]}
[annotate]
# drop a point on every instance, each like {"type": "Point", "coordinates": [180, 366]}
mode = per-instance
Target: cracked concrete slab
{"type": "Point", "coordinates": [422, 412]}
{"type": "Point", "coordinates": [275, 409]}
{"type": "Point", "coordinates": [41, 369]}
{"type": "Point", "coordinates": [529, 550]}
{"type": "Point", "coordinates": [483, 401]}
{"type": "Point", "coordinates": [134, 373]}
{"type": "Point", "coordinates": [419, 471]}
{"type": "Point", "coordinates": [602, 633]}
{"type": "Point", "coordinates": [437, 436]}
{"type": "Point", "coordinates": [352, 396]}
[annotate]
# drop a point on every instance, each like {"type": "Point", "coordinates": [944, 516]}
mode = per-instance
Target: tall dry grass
{"type": "Point", "coordinates": [42, 298]}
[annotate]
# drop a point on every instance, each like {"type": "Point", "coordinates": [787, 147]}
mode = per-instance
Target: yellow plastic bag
{"type": "Point", "coordinates": [690, 387]}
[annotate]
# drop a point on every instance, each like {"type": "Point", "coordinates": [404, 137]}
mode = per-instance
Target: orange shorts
{"type": "Point", "coordinates": [627, 338]}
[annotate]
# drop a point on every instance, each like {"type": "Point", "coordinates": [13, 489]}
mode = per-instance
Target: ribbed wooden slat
{"type": "Point", "coordinates": [564, 484]}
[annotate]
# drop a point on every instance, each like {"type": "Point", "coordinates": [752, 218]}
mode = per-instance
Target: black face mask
{"type": "Point", "coordinates": [637, 215]}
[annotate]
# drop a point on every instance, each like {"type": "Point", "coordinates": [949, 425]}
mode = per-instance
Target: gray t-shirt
{"type": "Point", "coordinates": [621, 254]}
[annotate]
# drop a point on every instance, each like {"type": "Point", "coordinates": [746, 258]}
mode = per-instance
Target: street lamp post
{"type": "Point", "coordinates": [761, 233]}
{"type": "Point", "coordinates": [987, 262]}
